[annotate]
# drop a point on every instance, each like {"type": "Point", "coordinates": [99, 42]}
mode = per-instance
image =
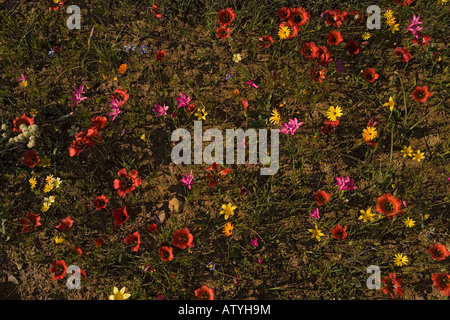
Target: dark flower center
{"type": "Point", "coordinates": [298, 18]}
{"type": "Point", "coordinates": [59, 270]}
{"type": "Point", "coordinates": [444, 281]}
{"type": "Point", "coordinates": [183, 238]}
{"type": "Point", "coordinates": [437, 252]}
{"type": "Point", "coordinates": [388, 206]}
{"type": "Point", "coordinates": [369, 76]}
{"type": "Point", "coordinates": [420, 94]}
{"type": "Point", "coordinates": [205, 295]}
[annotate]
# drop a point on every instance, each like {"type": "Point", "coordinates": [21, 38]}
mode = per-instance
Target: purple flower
{"type": "Point", "coordinates": [254, 242]}
{"type": "Point", "coordinates": [183, 101]}
{"type": "Point", "coordinates": [315, 213]}
{"type": "Point", "coordinates": [345, 183]}
{"type": "Point", "coordinates": [187, 180]}
{"type": "Point", "coordinates": [160, 110]}
{"type": "Point", "coordinates": [251, 84]}
{"type": "Point", "coordinates": [290, 127]}
{"type": "Point", "coordinates": [159, 297]}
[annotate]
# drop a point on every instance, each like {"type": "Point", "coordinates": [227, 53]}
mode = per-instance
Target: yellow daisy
{"type": "Point", "coordinates": [58, 239]}
{"type": "Point", "coordinates": [119, 295]}
{"type": "Point", "coordinates": [284, 32]}
{"type": "Point", "coordinates": [409, 223]}
{"type": "Point", "coordinates": [370, 133]}
{"type": "Point", "coordinates": [275, 118]}
{"type": "Point", "coordinates": [366, 35]}
{"type": "Point", "coordinates": [227, 229]}
{"type": "Point", "coordinates": [389, 14]}
{"type": "Point", "coordinates": [394, 27]}
{"type": "Point", "coordinates": [400, 259]}
{"type": "Point", "coordinates": [333, 113]}
{"type": "Point", "coordinates": [32, 182]}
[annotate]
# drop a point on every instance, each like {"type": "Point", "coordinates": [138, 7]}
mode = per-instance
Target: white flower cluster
{"type": "Point", "coordinates": [29, 133]}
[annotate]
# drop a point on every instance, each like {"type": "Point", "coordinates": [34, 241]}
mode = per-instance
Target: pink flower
{"type": "Point", "coordinates": [251, 84]}
{"type": "Point", "coordinates": [290, 127]}
{"type": "Point", "coordinates": [187, 180]}
{"type": "Point", "coordinates": [183, 101]}
{"type": "Point", "coordinates": [345, 183]}
{"type": "Point", "coordinates": [254, 242]}
{"type": "Point", "coordinates": [115, 106]}
{"type": "Point", "coordinates": [415, 26]}
{"type": "Point", "coordinates": [23, 78]}
{"type": "Point", "coordinates": [315, 213]}
{"type": "Point", "coordinates": [160, 110]}
{"type": "Point", "coordinates": [77, 98]}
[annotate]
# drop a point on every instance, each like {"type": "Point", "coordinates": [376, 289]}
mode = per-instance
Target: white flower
{"type": "Point", "coordinates": [57, 183]}
{"type": "Point", "coordinates": [73, 130]}
{"type": "Point", "coordinates": [31, 144]}
{"type": "Point", "coordinates": [237, 57]}
{"type": "Point", "coordinates": [4, 127]}
{"type": "Point", "coordinates": [23, 127]}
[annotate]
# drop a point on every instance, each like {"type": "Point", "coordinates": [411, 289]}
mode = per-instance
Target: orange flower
{"type": "Point", "coordinates": [235, 92]}
{"type": "Point", "coordinates": [204, 293]}
{"type": "Point", "coordinates": [438, 252]}
{"type": "Point", "coordinates": [389, 205]}
{"type": "Point", "coordinates": [123, 68]}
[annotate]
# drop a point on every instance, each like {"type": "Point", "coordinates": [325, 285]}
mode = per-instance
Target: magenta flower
{"type": "Point", "coordinates": [290, 127]}
{"type": "Point", "coordinates": [160, 110]}
{"type": "Point", "coordinates": [315, 213]}
{"type": "Point", "coordinates": [345, 183]}
{"type": "Point", "coordinates": [115, 106]}
{"type": "Point", "coordinates": [251, 84]}
{"type": "Point", "coordinates": [22, 79]}
{"type": "Point", "coordinates": [254, 242]}
{"type": "Point", "coordinates": [77, 98]}
{"type": "Point", "coordinates": [187, 180]}
{"type": "Point", "coordinates": [415, 26]}
{"type": "Point", "coordinates": [183, 101]}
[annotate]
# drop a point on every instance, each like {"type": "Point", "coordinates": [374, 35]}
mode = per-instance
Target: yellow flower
{"type": "Point", "coordinates": [390, 104]}
{"type": "Point", "coordinates": [105, 77]}
{"type": "Point", "coordinates": [44, 207]}
{"type": "Point", "coordinates": [49, 179]}
{"type": "Point", "coordinates": [143, 137]}
{"type": "Point", "coordinates": [58, 239]}
{"type": "Point", "coordinates": [334, 113]}
{"type": "Point", "coordinates": [370, 133]}
{"type": "Point", "coordinates": [284, 32]}
{"type": "Point", "coordinates": [394, 27]}
{"type": "Point", "coordinates": [426, 216]}
{"type": "Point", "coordinates": [418, 156]}
{"type": "Point", "coordinates": [366, 215]}
{"type": "Point", "coordinates": [32, 182]}
{"type": "Point", "coordinates": [45, 162]}
{"type": "Point", "coordinates": [228, 229]}
{"type": "Point", "coordinates": [201, 114]}
{"type": "Point", "coordinates": [400, 260]}
{"type": "Point", "coordinates": [57, 183]}
{"type": "Point", "coordinates": [119, 295]}
{"type": "Point", "coordinates": [409, 223]}
{"type": "Point", "coordinates": [366, 35]}
{"type": "Point", "coordinates": [48, 187]}
{"type": "Point", "coordinates": [442, 1]}
{"type": "Point", "coordinates": [407, 151]}
{"type": "Point", "coordinates": [389, 14]}
{"type": "Point", "coordinates": [228, 210]}
{"type": "Point", "coordinates": [33, 112]}
{"type": "Point", "coordinates": [24, 84]}
{"type": "Point", "coordinates": [316, 233]}
{"type": "Point", "coordinates": [275, 118]}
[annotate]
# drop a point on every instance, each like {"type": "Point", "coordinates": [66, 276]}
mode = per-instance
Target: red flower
{"type": "Point", "coordinates": [99, 242]}
{"type": "Point", "coordinates": [153, 227]}
{"type": "Point", "coordinates": [439, 252]}
{"type": "Point", "coordinates": [55, 6]}
{"type": "Point", "coordinates": [317, 75]}
{"type": "Point", "coordinates": [389, 205]}
{"type": "Point", "coordinates": [244, 103]}
{"type": "Point", "coordinates": [99, 122]}
{"type": "Point", "coordinates": [30, 222]}
{"type": "Point", "coordinates": [78, 145]}
{"type": "Point", "coordinates": [204, 293]}
{"type": "Point", "coordinates": [120, 92]}
{"type": "Point", "coordinates": [299, 16]}
{"type": "Point", "coordinates": [353, 47]}
{"type": "Point", "coordinates": [392, 285]}
{"type": "Point", "coordinates": [373, 122]}
{"type": "Point", "coordinates": [133, 238]}
{"type": "Point", "coordinates": [370, 75]}
{"type": "Point", "coordinates": [59, 269]}
{"type": "Point", "coordinates": [120, 215]}
{"type": "Point", "coordinates": [402, 54]}
{"type": "Point", "coordinates": [100, 202]}
{"type": "Point", "coordinates": [330, 126]}
{"type": "Point", "coordinates": [226, 16]}
{"type": "Point", "coordinates": [324, 56]}
{"type": "Point", "coordinates": [339, 232]}
{"type": "Point", "coordinates": [334, 17]}
{"type": "Point", "coordinates": [154, 9]}
{"type": "Point", "coordinates": [334, 38]}
{"type": "Point", "coordinates": [223, 32]}
{"type": "Point", "coordinates": [215, 175]}
{"type": "Point", "coordinates": [421, 94]}
{"type": "Point", "coordinates": [283, 13]}
{"type": "Point", "coordinates": [182, 238]}
{"type": "Point", "coordinates": [160, 56]}
{"type": "Point", "coordinates": [78, 250]}
{"type": "Point", "coordinates": [321, 197]}
{"type": "Point", "coordinates": [65, 224]}
{"type": "Point", "coordinates": [403, 2]}
{"type": "Point", "coordinates": [165, 253]}
{"type": "Point", "coordinates": [423, 40]}
{"type": "Point", "coordinates": [357, 17]}
{"type": "Point", "coordinates": [30, 158]}
{"type": "Point", "coordinates": [92, 137]}
{"type": "Point", "coordinates": [309, 50]}
{"type": "Point", "coordinates": [442, 282]}
{"type": "Point", "coordinates": [265, 41]}
{"type": "Point", "coordinates": [20, 120]}
{"type": "Point", "coordinates": [127, 182]}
